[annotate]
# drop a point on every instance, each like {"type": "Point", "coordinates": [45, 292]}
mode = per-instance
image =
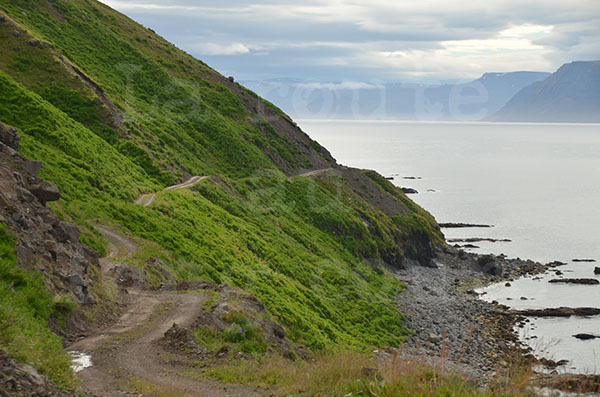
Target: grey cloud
{"type": "Point", "coordinates": [325, 39]}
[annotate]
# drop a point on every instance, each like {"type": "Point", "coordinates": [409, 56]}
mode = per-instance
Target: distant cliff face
{"type": "Point", "coordinates": [471, 101]}
{"type": "Point", "coordinates": [571, 94]}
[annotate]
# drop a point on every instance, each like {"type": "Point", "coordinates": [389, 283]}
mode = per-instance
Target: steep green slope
{"type": "Point", "coordinates": [114, 111]}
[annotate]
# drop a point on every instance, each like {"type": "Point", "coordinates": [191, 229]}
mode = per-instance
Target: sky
{"type": "Point", "coordinates": [375, 41]}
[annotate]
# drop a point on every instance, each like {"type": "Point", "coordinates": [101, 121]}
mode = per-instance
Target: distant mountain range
{"type": "Point", "coordinates": [472, 101]}
{"type": "Point", "coordinates": [571, 94]}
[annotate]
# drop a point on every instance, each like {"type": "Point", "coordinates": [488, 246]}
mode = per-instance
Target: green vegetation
{"type": "Point", "coordinates": [115, 111]}
{"type": "Point", "coordinates": [242, 335]}
{"type": "Point", "coordinates": [24, 314]}
{"type": "Point", "coordinates": [344, 373]}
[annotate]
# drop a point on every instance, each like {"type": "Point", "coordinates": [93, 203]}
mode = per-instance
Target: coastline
{"type": "Point", "coordinates": [453, 327]}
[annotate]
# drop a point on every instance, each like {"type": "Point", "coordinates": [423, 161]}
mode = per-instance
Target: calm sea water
{"type": "Point", "coordinates": [538, 184]}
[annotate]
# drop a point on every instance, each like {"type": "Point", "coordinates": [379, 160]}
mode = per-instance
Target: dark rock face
{"type": "Point", "coordinates": [583, 281]}
{"type": "Point", "coordinates": [32, 167]}
{"type": "Point", "coordinates": [43, 242]}
{"type": "Point", "coordinates": [9, 136]}
{"type": "Point", "coordinates": [8, 187]}
{"type": "Point", "coordinates": [66, 232]}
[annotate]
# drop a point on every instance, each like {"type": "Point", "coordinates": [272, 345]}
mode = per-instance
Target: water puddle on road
{"type": "Point", "coordinates": [80, 360]}
{"type": "Point", "coordinates": [553, 338]}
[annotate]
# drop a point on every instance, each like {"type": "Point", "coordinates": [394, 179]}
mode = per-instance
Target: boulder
{"type": "Point", "coordinates": [9, 136]}
{"type": "Point", "coordinates": [45, 191]}
{"type": "Point", "coordinates": [434, 338]}
{"type": "Point", "coordinates": [597, 270]}
{"type": "Point", "coordinates": [8, 187]}
{"type": "Point", "coordinates": [65, 231]}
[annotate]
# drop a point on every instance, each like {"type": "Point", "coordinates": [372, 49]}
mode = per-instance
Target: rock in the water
{"type": "Point", "coordinates": [584, 281]}
{"type": "Point", "coordinates": [584, 260]}
{"type": "Point", "coordinates": [459, 225]}
{"type": "Point", "coordinates": [559, 312]}
{"type": "Point", "coordinates": [65, 231]}
{"type": "Point", "coordinates": [45, 191]}
{"type": "Point", "coordinates": [597, 270]}
{"type": "Point", "coordinates": [409, 190]}
{"type": "Point", "coordinates": [9, 136]}
{"type": "Point", "coordinates": [585, 336]}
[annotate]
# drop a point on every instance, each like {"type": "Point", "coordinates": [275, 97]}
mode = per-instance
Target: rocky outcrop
{"type": "Point", "coordinates": [9, 136]}
{"type": "Point", "coordinates": [560, 312]}
{"type": "Point", "coordinates": [582, 281]}
{"type": "Point", "coordinates": [43, 242]}
{"type": "Point", "coordinates": [453, 225]}
{"type": "Point", "coordinates": [22, 380]}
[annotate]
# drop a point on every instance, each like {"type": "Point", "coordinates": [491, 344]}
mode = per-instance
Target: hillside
{"type": "Point", "coordinates": [571, 94]}
{"type": "Point", "coordinates": [112, 111]}
{"type": "Point", "coordinates": [473, 100]}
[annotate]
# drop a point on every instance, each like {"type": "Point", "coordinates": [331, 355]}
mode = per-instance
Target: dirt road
{"type": "Point", "coordinates": [148, 198]}
{"type": "Point", "coordinates": [312, 173]}
{"type": "Point", "coordinates": [127, 359]}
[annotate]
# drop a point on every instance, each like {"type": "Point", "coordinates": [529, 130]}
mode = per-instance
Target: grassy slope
{"type": "Point", "coordinates": [302, 246]}
{"type": "Point", "coordinates": [24, 314]}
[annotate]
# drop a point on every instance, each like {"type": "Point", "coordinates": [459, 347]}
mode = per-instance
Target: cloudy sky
{"type": "Point", "coordinates": [375, 40]}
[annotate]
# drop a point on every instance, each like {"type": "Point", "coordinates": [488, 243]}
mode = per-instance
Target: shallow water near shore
{"type": "Point", "coordinates": [538, 184]}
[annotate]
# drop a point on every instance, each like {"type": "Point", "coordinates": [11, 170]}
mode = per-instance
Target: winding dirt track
{"type": "Point", "coordinates": [148, 198]}
{"type": "Point", "coordinates": [127, 360]}
{"type": "Point", "coordinates": [312, 173]}
{"type": "Point", "coordinates": [126, 357]}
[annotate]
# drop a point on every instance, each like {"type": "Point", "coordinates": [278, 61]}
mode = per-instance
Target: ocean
{"type": "Point", "coordinates": [537, 184]}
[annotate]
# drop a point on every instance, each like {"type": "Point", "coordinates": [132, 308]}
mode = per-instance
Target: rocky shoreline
{"type": "Point", "coordinates": [452, 324]}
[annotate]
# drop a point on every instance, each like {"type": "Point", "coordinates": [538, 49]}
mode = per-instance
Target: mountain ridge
{"type": "Point", "coordinates": [470, 101]}
{"type": "Point", "coordinates": [571, 94]}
